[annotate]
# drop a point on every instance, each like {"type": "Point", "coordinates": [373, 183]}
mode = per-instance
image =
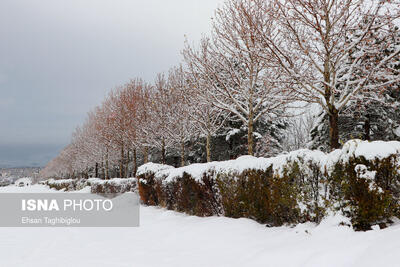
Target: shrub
{"type": "Point", "coordinates": [261, 196]}
{"type": "Point", "coordinates": [116, 185]}
{"type": "Point", "coordinates": [301, 186]}
{"type": "Point", "coordinates": [113, 186]}
{"type": "Point", "coordinates": [184, 194]}
{"type": "Point", "coordinates": [366, 191]}
{"type": "Point", "coordinates": [67, 184]}
{"type": "Point", "coordinates": [147, 189]}
{"type": "Point", "coordinates": [246, 194]}
{"type": "Point", "coordinates": [311, 188]}
{"type": "Point", "coordinates": [194, 197]}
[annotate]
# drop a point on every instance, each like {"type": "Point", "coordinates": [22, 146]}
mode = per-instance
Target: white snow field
{"type": "Point", "coordinates": [167, 238]}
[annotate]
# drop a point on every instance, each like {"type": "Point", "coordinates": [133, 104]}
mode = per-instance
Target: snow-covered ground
{"type": "Point", "coordinates": [167, 238]}
{"type": "Point", "coordinates": [36, 188]}
{"type": "Point", "coordinates": [26, 181]}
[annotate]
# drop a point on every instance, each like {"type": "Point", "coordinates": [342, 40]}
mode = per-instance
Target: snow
{"type": "Point", "coordinates": [397, 131]}
{"type": "Point", "coordinates": [353, 148]}
{"type": "Point", "coordinates": [363, 172]}
{"type": "Point", "coordinates": [26, 181]}
{"type": "Point", "coordinates": [84, 183]}
{"type": "Point", "coordinates": [61, 181]}
{"type": "Point", "coordinates": [376, 149]}
{"type": "Point", "coordinates": [151, 167]}
{"type": "Point", "coordinates": [113, 181]}
{"type": "Point", "coordinates": [36, 188]}
{"type": "Point", "coordinates": [231, 133]}
{"type": "Point", "coordinates": [238, 165]}
{"type": "Point", "coordinates": [167, 238]}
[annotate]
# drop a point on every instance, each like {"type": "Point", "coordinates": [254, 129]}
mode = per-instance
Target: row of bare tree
{"type": "Point", "coordinates": [261, 56]}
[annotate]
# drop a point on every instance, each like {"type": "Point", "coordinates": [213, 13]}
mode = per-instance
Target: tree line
{"type": "Point", "coordinates": [261, 59]}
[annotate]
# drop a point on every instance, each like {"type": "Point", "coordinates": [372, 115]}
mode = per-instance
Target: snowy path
{"type": "Point", "coordinates": [167, 238]}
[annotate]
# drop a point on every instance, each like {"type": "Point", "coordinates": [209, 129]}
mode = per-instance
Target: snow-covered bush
{"type": "Point", "coordinates": [148, 186]}
{"type": "Point", "coordinates": [63, 184]}
{"type": "Point", "coordinates": [367, 191]}
{"type": "Point", "coordinates": [259, 195]}
{"type": "Point", "coordinates": [187, 195]}
{"type": "Point", "coordinates": [361, 180]}
{"type": "Point", "coordinates": [184, 194]}
{"type": "Point", "coordinates": [116, 185]}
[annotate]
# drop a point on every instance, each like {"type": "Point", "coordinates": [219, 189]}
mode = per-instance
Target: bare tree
{"type": "Point", "coordinates": [207, 118]}
{"type": "Point", "coordinates": [160, 104]}
{"type": "Point", "coordinates": [311, 42]}
{"type": "Point", "coordinates": [131, 98]}
{"type": "Point", "coordinates": [180, 125]}
{"type": "Point", "coordinates": [298, 132]}
{"type": "Point", "coordinates": [240, 80]}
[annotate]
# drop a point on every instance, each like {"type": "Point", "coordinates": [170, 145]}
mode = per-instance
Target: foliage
{"type": "Point", "coordinates": [97, 186]}
{"type": "Point", "coordinates": [367, 191]}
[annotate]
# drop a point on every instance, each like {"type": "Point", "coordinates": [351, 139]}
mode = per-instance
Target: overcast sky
{"type": "Point", "coordinates": [59, 58]}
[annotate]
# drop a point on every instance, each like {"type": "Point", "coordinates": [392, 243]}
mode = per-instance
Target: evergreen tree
{"type": "Point", "coordinates": [230, 141]}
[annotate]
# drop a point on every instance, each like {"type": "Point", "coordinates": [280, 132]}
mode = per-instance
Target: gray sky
{"type": "Point", "coordinates": [59, 58]}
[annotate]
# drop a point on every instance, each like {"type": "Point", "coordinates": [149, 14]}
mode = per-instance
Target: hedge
{"type": "Point", "coordinates": [303, 186]}
{"type": "Point", "coordinates": [99, 186]}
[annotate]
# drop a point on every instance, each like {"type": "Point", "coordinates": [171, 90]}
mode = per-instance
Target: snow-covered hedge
{"type": "Point", "coordinates": [152, 168]}
{"type": "Point", "coordinates": [62, 184]}
{"type": "Point", "coordinates": [361, 180]}
{"type": "Point", "coordinates": [352, 149]}
{"type": "Point", "coordinates": [115, 185]}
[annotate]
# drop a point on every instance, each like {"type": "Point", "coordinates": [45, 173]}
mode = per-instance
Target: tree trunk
{"type": "Point", "coordinates": [127, 164]}
{"type": "Point", "coordinates": [182, 153]}
{"type": "Point", "coordinates": [334, 128]}
{"type": "Point", "coordinates": [333, 112]}
{"type": "Point", "coordinates": [164, 160]}
{"type": "Point", "coordinates": [145, 155]}
{"type": "Point", "coordinates": [107, 169]}
{"type": "Point", "coordinates": [367, 128]}
{"type": "Point", "coordinates": [134, 162]}
{"type": "Point", "coordinates": [121, 163]}
{"type": "Point", "coordinates": [103, 170]}
{"type": "Point", "coordinates": [250, 143]}
{"type": "Point", "coordinates": [208, 147]}
{"type": "Point", "coordinates": [96, 171]}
